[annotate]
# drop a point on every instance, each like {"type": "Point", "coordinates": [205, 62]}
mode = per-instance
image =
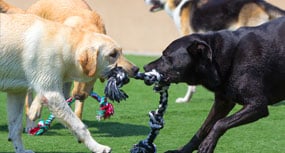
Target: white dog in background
{"type": "Point", "coordinates": [41, 55]}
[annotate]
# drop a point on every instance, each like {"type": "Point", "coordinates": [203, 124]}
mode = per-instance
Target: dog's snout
{"type": "Point", "coordinates": [135, 70]}
{"type": "Point", "coordinates": [146, 68]}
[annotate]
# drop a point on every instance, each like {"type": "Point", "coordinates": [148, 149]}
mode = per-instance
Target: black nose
{"type": "Point", "coordinates": [146, 68]}
{"type": "Point", "coordinates": [135, 70]}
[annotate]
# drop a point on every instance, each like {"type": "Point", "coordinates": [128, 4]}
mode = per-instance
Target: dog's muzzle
{"type": "Point", "coordinates": [117, 77]}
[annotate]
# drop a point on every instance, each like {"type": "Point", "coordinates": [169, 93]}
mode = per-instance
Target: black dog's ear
{"type": "Point", "coordinates": [200, 49]}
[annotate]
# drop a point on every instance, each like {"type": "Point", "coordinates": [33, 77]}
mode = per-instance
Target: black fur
{"type": "Point", "coordinates": [246, 66]}
{"type": "Point", "coordinates": [219, 14]}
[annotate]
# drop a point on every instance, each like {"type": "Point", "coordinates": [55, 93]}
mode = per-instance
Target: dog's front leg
{"type": "Point", "coordinates": [249, 113]}
{"type": "Point", "coordinates": [35, 108]}
{"type": "Point", "coordinates": [81, 91]}
{"type": "Point", "coordinates": [220, 109]}
{"type": "Point", "coordinates": [60, 109]}
{"type": "Point", "coordinates": [15, 113]}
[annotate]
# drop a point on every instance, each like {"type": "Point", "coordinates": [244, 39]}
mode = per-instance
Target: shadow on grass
{"type": "Point", "coordinates": [106, 129]}
{"type": "Point", "coordinates": [4, 127]}
{"type": "Point", "coordinates": [114, 129]}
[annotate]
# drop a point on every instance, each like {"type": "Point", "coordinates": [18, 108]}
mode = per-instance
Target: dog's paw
{"type": "Point", "coordinates": [181, 100]}
{"type": "Point", "coordinates": [29, 151]}
{"type": "Point", "coordinates": [206, 147]}
{"type": "Point", "coordinates": [191, 90]}
{"type": "Point", "coordinates": [35, 111]}
{"type": "Point", "coordinates": [103, 149]}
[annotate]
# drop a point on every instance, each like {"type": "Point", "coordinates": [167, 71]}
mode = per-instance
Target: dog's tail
{"type": "Point", "coordinates": [273, 11]}
{"type": "Point", "coordinates": [7, 8]}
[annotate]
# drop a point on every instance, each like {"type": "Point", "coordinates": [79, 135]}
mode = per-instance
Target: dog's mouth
{"type": "Point", "coordinates": [165, 79]}
{"type": "Point", "coordinates": [169, 77]}
{"type": "Point", "coordinates": [117, 77]}
{"type": "Point", "coordinates": [174, 77]}
{"type": "Point", "coordinates": [156, 6]}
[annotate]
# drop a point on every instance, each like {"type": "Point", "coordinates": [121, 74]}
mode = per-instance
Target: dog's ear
{"type": "Point", "coordinates": [88, 61]}
{"type": "Point", "coordinates": [200, 49]}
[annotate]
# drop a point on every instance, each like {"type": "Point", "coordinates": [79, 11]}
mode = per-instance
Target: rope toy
{"type": "Point", "coordinates": [106, 111]}
{"type": "Point", "coordinates": [117, 78]}
{"type": "Point", "coordinates": [156, 121]}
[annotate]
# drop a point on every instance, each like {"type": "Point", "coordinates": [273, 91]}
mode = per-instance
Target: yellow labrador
{"type": "Point", "coordinates": [41, 55]}
{"type": "Point", "coordinates": [74, 13]}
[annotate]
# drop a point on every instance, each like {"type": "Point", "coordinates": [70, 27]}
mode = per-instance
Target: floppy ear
{"type": "Point", "coordinates": [88, 61]}
{"type": "Point", "coordinates": [200, 49]}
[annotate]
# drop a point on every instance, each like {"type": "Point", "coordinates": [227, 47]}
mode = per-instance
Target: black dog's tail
{"type": "Point", "coordinates": [273, 11]}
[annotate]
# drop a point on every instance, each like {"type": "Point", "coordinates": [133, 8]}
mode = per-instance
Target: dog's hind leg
{"type": "Point", "coordinates": [60, 109]}
{"type": "Point", "coordinates": [249, 113]}
{"type": "Point", "coordinates": [15, 108]}
{"type": "Point", "coordinates": [188, 95]}
{"type": "Point", "coordinates": [219, 110]}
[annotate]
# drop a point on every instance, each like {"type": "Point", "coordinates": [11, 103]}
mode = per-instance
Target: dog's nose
{"type": "Point", "coordinates": [135, 70]}
{"type": "Point", "coordinates": [146, 68]}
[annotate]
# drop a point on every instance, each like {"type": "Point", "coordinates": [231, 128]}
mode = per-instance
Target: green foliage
{"type": "Point", "coordinates": [129, 124]}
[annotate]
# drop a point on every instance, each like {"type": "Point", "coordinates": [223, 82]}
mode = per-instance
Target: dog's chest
{"type": "Point", "coordinates": [176, 13]}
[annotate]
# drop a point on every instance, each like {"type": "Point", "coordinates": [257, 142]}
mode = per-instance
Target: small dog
{"type": "Point", "coordinates": [192, 16]}
{"type": "Point", "coordinates": [246, 67]}
{"type": "Point", "coordinates": [74, 13]}
{"type": "Point", "coordinates": [41, 55]}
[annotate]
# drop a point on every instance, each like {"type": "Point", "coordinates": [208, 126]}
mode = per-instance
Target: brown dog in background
{"type": "Point", "coordinates": [191, 16]}
{"type": "Point", "coordinates": [74, 13]}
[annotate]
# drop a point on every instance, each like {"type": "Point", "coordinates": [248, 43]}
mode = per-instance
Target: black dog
{"type": "Point", "coordinates": [246, 66]}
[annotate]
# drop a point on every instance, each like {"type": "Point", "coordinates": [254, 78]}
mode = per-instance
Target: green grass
{"type": "Point", "coordinates": [130, 124]}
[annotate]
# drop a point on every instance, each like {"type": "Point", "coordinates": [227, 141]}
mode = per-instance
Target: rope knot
{"type": "Point", "coordinates": [156, 121]}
